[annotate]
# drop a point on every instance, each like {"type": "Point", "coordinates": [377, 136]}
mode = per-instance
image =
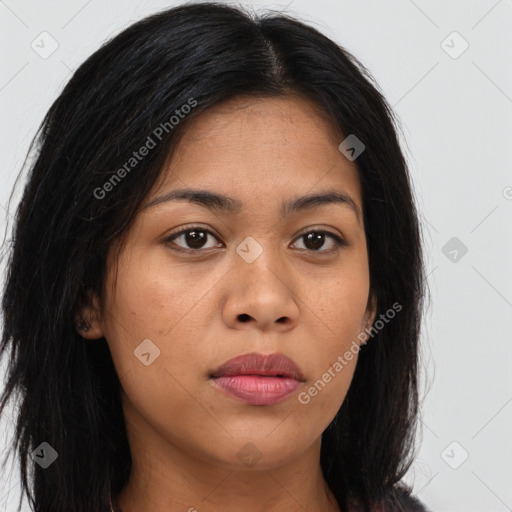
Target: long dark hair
{"type": "Point", "coordinates": [198, 55]}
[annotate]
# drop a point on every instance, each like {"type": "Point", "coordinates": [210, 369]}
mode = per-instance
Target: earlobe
{"type": "Point", "coordinates": [88, 323]}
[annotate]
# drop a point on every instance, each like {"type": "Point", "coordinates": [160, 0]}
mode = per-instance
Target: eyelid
{"type": "Point", "coordinates": [319, 229]}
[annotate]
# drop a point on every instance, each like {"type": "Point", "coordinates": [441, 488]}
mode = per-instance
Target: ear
{"type": "Point", "coordinates": [88, 321]}
{"type": "Point", "coordinates": [368, 319]}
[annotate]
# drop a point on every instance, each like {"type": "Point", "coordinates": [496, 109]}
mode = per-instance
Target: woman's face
{"type": "Point", "coordinates": [253, 282]}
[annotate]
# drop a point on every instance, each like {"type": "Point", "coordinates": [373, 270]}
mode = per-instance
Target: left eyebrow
{"type": "Point", "coordinates": [307, 202]}
{"type": "Point", "coordinates": [225, 204]}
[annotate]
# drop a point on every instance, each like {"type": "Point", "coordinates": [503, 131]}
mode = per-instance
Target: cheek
{"type": "Point", "coordinates": [341, 306]}
{"type": "Point", "coordinates": [149, 299]}
{"type": "Point", "coordinates": [164, 304]}
{"type": "Point", "coordinates": [137, 310]}
{"type": "Point", "coordinates": [337, 327]}
{"type": "Point", "coordinates": [336, 360]}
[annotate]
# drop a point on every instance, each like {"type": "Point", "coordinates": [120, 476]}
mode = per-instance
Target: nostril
{"type": "Point", "coordinates": [243, 317]}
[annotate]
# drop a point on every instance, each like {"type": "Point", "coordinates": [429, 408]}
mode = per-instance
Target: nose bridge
{"type": "Point", "coordinates": [262, 290]}
{"type": "Point", "coordinates": [259, 254]}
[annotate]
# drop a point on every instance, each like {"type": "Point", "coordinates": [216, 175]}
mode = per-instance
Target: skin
{"type": "Point", "coordinates": [185, 435]}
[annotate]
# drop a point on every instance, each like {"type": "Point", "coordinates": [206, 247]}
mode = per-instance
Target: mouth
{"type": "Point", "coordinates": [258, 379]}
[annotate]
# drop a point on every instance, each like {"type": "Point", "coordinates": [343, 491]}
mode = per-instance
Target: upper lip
{"type": "Point", "coordinates": [257, 364]}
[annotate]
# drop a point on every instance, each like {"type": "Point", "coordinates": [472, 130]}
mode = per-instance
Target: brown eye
{"type": "Point", "coordinates": [315, 240]}
{"type": "Point", "coordinates": [194, 238]}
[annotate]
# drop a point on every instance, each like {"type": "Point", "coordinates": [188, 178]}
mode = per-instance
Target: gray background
{"type": "Point", "coordinates": [456, 115]}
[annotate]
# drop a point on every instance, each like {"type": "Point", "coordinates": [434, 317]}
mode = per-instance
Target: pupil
{"type": "Point", "coordinates": [316, 238]}
{"type": "Point", "coordinates": [195, 239]}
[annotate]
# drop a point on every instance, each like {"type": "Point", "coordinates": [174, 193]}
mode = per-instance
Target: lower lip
{"type": "Point", "coordinates": [257, 389]}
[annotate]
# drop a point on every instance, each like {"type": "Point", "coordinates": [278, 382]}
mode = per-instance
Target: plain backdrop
{"type": "Point", "coordinates": [453, 95]}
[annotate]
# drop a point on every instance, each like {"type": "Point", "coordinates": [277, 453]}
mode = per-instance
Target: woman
{"type": "Point", "coordinates": [215, 288]}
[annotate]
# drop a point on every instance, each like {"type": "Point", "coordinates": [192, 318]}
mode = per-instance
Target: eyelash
{"type": "Point", "coordinates": [338, 240]}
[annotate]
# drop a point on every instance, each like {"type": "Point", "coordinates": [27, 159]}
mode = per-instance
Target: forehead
{"type": "Point", "coordinates": [277, 122]}
{"type": "Point", "coordinates": [255, 148]}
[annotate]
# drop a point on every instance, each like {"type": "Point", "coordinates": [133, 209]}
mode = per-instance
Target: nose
{"type": "Point", "coordinates": [261, 295]}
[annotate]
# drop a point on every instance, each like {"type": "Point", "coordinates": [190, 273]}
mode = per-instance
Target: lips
{"type": "Point", "coordinates": [258, 379]}
{"type": "Point", "coordinates": [272, 365]}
